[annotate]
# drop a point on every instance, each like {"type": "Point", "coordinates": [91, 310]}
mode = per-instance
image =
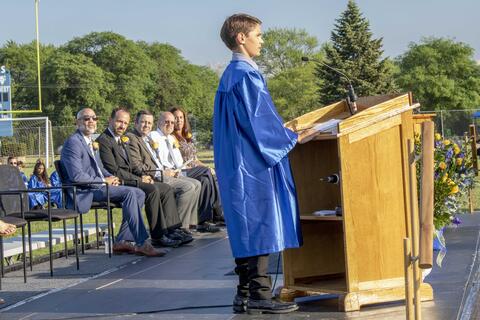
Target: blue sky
{"type": "Point", "coordinates": [193, 25]}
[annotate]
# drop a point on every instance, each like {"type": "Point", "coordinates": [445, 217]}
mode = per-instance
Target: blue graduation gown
{"type": "Point", "coordinates": [36, 198]}
{"type": "Point", "coordinates": [56, 193]}
{"type": "Point", "coordinates": [250, 152]}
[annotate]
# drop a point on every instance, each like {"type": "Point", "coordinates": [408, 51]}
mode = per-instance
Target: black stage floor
{"type": "Point", "coordinates": [192, 282]}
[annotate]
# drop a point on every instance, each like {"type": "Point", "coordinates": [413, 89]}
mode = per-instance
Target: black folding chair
{"type": "Point", "coordinates": [12, 185]}
{"type": "Point", "coordinates": [96, 205]}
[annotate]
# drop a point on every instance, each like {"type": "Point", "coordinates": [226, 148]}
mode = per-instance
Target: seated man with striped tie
{"type": "Point", "coordinates": [81, 161]}
{"type": "Point", "coordinates": [171, 158]}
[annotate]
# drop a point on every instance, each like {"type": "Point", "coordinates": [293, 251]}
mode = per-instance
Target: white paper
{"type": "Point", "coordinates": [330, 126]}
{"type": "Point", "coordinates": [324, 213]}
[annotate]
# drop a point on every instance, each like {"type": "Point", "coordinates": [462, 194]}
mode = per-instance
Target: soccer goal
{"type": "Point", "coordinates": [30, 138]}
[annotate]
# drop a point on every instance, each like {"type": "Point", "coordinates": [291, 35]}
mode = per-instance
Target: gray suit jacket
{"type": "Point", "coordinates": [141, 160]}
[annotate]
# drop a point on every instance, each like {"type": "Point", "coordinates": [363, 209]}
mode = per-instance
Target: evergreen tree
{"type": "Point", "coordinates": [355, 53]}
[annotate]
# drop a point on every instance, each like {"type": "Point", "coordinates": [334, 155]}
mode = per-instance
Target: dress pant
{"type": "Point", "coordinates": [132, 199]}
{"type": "Point", "coordinates": [253, 279]}
{"type": "Point", "coordinates": [160, 208]}
{"type": "Point", "coordinates": [187, 192]}
{"type": "Point", "coordinates": [209, 194]}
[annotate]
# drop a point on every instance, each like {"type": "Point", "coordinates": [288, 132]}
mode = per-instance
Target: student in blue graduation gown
{"type": "Point", "coordinates": [56, 193]}
{"type": "Point", "coordinates": [39, 179]}
{"type": "Point", "coordinates": [256, 184]}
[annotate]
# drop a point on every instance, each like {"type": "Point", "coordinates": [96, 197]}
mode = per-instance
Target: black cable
{"type": "Point", "coordinates": [145, 312]}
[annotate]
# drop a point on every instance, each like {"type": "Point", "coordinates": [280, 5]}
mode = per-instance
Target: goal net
{"type": "Point", "coordinates": [27, 139]}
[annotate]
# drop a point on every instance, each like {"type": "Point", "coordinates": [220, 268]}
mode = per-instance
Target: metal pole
{"type": "Point", "coordinates": [38, 57]}
{"type": "Point", "coordinates": [47, 137]}
{"type": "Point", "coordinates": [441, 122]}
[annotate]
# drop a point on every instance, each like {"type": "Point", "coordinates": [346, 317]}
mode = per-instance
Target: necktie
{"type": "Point", "coordinates": [122, 149]}
{"type": "Point", "coordinates": [99, 171]}
{"type": "Point", "coordinates": [171, 156]}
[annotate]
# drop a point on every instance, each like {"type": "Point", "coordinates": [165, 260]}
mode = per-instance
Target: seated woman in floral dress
{"type": "Point", "coordinates": [183, 133]}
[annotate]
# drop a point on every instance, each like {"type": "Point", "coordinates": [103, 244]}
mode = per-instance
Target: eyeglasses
{"type": "Point", "coordinates": [168, 122]}
{"type": "Point", "coordinates": [88, 118]}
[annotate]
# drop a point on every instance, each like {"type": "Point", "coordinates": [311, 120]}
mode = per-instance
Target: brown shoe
{"type": "Point", "coordinates": [148, 250]}
{"type": "Point", "coordinates": [121, 247]}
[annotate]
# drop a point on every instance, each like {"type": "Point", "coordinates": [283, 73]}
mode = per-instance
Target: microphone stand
{"type": "Point", "coordinates": [351, 97]}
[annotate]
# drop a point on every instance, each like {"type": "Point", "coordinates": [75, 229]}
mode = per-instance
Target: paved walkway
{"type": "Point", "coordinates": [182, 284]}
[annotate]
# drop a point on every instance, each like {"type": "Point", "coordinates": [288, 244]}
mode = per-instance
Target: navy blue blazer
{"type": "Point", "coordinates": [79, 165]}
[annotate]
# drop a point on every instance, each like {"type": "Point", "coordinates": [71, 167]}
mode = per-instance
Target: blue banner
{"type": "Point", "coordinates": [6, 128]}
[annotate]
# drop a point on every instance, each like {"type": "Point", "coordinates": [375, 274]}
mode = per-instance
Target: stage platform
{"type": "Point", "coordinates": [193, 282]}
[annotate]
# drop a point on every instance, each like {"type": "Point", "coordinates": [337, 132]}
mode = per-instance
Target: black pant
{"type": "Point", "coordinates": [209, 194]}
{"type": "Point", "coordinates": [160, 208]}
{"type": "Point", "coordinates": [253, 279]}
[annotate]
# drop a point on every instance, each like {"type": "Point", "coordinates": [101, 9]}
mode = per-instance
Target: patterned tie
{"type": "Point", "coordinates": [171, 156]}
{"type": "Point", "coordinates": [99, 171]}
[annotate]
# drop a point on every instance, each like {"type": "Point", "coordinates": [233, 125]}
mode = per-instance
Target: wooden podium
{"type": "Point", "coordinates": [358, 255]}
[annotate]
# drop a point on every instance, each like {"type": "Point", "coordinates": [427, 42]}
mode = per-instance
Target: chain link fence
{"type": "Point", "coordinates": [451, 123]}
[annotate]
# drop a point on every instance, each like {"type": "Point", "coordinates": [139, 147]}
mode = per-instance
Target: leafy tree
{"type": "Point", "coordinates": [21, 60]}
{"type": "Point", "coordinates": [355, 53]}
{"type": "Point", "coordinates": [441, 73]}
{"type": "Point", "coordinates": [75, 81]}
{"type": "Point", "coordinates": [283, 49]}
{"type": "Point", "coordinates": [126, 65]}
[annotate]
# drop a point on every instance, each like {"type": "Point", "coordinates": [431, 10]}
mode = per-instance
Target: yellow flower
{"type": "Point", "coordinates": [189, 135]}
{"type": "Point", "coordinates": [450, 182]}
{"type": "Point", "coordinates": [124, 139]}
{"type": "Point", "coordinates": [445, 177]}
{"type": "Point", "coordinates": [442, 165]}
{"type": "Point", "coordinates": [438, 136]}
{"type": "Point", "coordinates": [176, 144]}
{"type": "Point", "coordinates": [459, 161]}
{"type": "Point", "coordinates": [446, 142]}
{"type": "Point", "coordinates": [153, 144]}
{"type": "Point", "coordinates": [456, 149]}
{"type": "Point", "coordinates": [95, 145]}
{"type": "Point", "coordinates": [454, 189]}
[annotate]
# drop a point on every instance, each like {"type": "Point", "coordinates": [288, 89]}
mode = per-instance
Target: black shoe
{"type": "Point", "coordinates": [208, 227]}
{"type": "Point", "coordinates": [270, 306]}
{"type": "Point", "coordinates": [240, 304]}
{"type": "Point", "coordinates": [185, 231]}
{"type": "Point", "coordinates": [165, 241]}
{"type": "Point", "coordinates": [180, 236]}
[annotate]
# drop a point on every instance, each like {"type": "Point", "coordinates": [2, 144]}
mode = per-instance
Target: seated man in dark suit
{"type": "Point", "coordinates": [82, 163]}
{"type": "Point", "coordinates": [160, 205]}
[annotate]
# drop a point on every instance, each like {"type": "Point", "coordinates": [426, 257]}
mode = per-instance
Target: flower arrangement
{"type": "Point", "coordinates": [454, 176]}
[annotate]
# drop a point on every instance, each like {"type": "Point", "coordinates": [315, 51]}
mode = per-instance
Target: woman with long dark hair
{"type": "Point", "coordinates": [184, 136]}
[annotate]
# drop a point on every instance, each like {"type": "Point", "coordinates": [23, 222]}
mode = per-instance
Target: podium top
{"type": "Point", "coordinates": [371, 110]}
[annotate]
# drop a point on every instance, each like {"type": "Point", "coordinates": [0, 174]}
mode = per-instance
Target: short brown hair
{"type": "Point", "coordinates": [233, 25]}
{"type": "Point", "coordinates": [142, 113]}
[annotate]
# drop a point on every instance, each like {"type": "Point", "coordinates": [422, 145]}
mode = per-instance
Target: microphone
{"type": "Point", "coordinates": [351, 97]}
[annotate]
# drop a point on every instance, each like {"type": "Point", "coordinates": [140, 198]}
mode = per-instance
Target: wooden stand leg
{"type": "Point", "coordinates": [348, 302]}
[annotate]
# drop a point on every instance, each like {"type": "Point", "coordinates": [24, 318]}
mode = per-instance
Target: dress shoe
{"type": "Point", "coordinates": [180, 236]}
{"type": "Point", "coordinates": [208, 227]}
{"type": "Point", "coordinates": [240, 304]}
{"type": "Point", "coordinates": [2, 301]}
{"type": "Point", "coordinates": [148, 250]}
{"type": "Point", "coordinates": [166, 241]}
{"type": "Point", "coordinates": [121, 247]}
{"type": "Point", "coordinates": [270, 306]}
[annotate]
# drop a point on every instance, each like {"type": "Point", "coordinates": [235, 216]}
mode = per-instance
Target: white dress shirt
{"type": "Point", "coordinates": [163, 152]}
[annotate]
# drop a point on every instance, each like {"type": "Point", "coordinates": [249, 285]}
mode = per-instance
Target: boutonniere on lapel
{"type": "Point", "coordinates": [95, 146]}
{"type": "Point", "coordinates": [153, 144]}
{"type": "Point", "coordinates": [124, 139]}
{"type": "Point", "coordinates": [176, 144]}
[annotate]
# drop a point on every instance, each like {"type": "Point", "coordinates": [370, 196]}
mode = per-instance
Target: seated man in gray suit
{"type": "Point", "coordinates": [160, 205]}
{"type": "Point", "coordinates": [82, 163]}
{"type": "Point", "coordinates": [144, 161]}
